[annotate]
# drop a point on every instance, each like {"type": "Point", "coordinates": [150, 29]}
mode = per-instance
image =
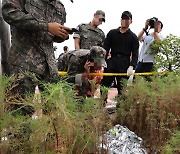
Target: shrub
{"type": "Point", "coordinates": [151, 109]}
{"type": "Point", "coordinates": [68, 124]}
{"type": "Point", "coordinates": [167, 53]}
{"type": "Point", "coordinates": [173, 145]}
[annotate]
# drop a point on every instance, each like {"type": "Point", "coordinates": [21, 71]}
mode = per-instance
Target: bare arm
{"type": "Point", "coordinates": [77, 43]}
{"type": "Point", "coordinates": [140, 35]}
{"type": "Point", "coordinates": [143, 30]}
{"type": "Point", "coordinates": [157, 29]}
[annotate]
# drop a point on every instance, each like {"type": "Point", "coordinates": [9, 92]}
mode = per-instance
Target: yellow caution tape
{"type": "Point", "coordinates": [62, 73]}
{"type": "Point", "coordinates": [118, 74]}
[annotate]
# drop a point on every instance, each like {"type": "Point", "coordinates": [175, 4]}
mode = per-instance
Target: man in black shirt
{"type": "Point", "coordinates": [123, 45]}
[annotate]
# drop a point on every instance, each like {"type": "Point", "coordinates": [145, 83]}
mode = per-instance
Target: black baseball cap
{"type": "Point", "coordinates": [126, 15]}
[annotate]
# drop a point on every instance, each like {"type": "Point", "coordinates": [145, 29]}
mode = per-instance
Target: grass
{"type": "Point", "coordinates": [70, 124]}
{"type": "Point", "coordinates": [67, 125]}
{"type": "Point", "coordinates": [151, 109]}
{"type": "Point", "coordinates": [173, 144]}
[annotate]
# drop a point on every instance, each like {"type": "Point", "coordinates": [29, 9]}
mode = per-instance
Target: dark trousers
{"type": "Point", "coordinates": [107, 82]}
{"type": "Point", "coordinates": [144, 67]}
{"type": "Point", "coordinates": [116, 64]}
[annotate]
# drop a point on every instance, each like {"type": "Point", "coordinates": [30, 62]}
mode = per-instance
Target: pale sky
{"type": "Point", "coordinates": [82, 11]}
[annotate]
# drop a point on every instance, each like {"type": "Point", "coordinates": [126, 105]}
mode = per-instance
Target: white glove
{"type": "Point", "coordinates": [130, 71]}
{"type": "Point", "coordinates": [130, 80]}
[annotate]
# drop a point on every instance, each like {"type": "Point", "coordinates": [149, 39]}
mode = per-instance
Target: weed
{"type": "Point", "coordinates": [151, 109]}
{"type": "Point", "coordinates": [67, 124]}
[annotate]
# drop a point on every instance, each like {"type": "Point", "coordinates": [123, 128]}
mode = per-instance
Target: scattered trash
{"type": "Point", "coordinates": [120, 140]}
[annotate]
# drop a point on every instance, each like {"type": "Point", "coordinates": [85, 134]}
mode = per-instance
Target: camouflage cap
{"type": "Point", "coordinates": [101, 14]}
{"type": "Point", "coordinates": [98, 54]}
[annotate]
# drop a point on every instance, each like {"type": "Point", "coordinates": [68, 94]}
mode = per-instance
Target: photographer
{"type": "Point", "coordinates": [146, 58]}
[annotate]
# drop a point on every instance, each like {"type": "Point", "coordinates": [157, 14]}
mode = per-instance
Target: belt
{"type": "Point", "coordinates": [117, 54]}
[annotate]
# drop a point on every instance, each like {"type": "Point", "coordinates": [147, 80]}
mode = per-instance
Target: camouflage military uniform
{"type": "Point", "coordinates": [60, 62]}
{"type": "Point", "coordinates": [32, 44]}
{"type": "Point", "coordinates": [74, 62]}
{"type": "Point", "coordinates": [89, 36]}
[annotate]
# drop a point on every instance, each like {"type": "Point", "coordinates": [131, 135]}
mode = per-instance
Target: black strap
{"type": "Point", "coordinates": [147, 32]}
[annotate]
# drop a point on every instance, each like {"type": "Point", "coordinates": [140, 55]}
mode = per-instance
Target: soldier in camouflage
{"type": "Point", "coordinates": [78, 63]}
{"type": "Point", "coordinates": [35, 25]}
{"type": "Point", "coordinates": [59, 60]}
{"type": "Point", "coordinates": [89, 35]}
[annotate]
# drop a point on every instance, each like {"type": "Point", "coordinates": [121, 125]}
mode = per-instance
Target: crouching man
{"type": "Point", "coordinates": [79, 63]}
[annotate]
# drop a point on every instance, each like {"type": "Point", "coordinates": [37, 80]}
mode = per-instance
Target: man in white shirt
{"type": "Point", "coordinates": [146, 57]}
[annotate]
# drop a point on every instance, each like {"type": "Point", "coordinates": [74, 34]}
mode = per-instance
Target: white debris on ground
{"type": "Point", "coordinates": [120, 140]}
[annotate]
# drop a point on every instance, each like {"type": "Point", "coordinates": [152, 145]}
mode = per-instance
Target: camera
{"type": "Point", "coordinates": [152, 22]}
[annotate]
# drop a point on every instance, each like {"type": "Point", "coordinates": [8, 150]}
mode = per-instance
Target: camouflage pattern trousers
{"type": "Point", "coordinates": [23, 84]}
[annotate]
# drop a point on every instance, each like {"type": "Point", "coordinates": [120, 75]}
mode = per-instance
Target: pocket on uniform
{"type": "Point", "coordinates": [36, 9]}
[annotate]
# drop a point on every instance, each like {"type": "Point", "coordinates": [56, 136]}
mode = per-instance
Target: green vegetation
{"type": "Point", "coordinates": [71, 124]}
{"type": "Point", "coordinates": [152, 109]}
{"type": "Point", "coordinates": [67, 125]}
{"type": "Point", "coordinates": [167, 53]}
{"type": "Point", "coordinates": [173, 145]}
